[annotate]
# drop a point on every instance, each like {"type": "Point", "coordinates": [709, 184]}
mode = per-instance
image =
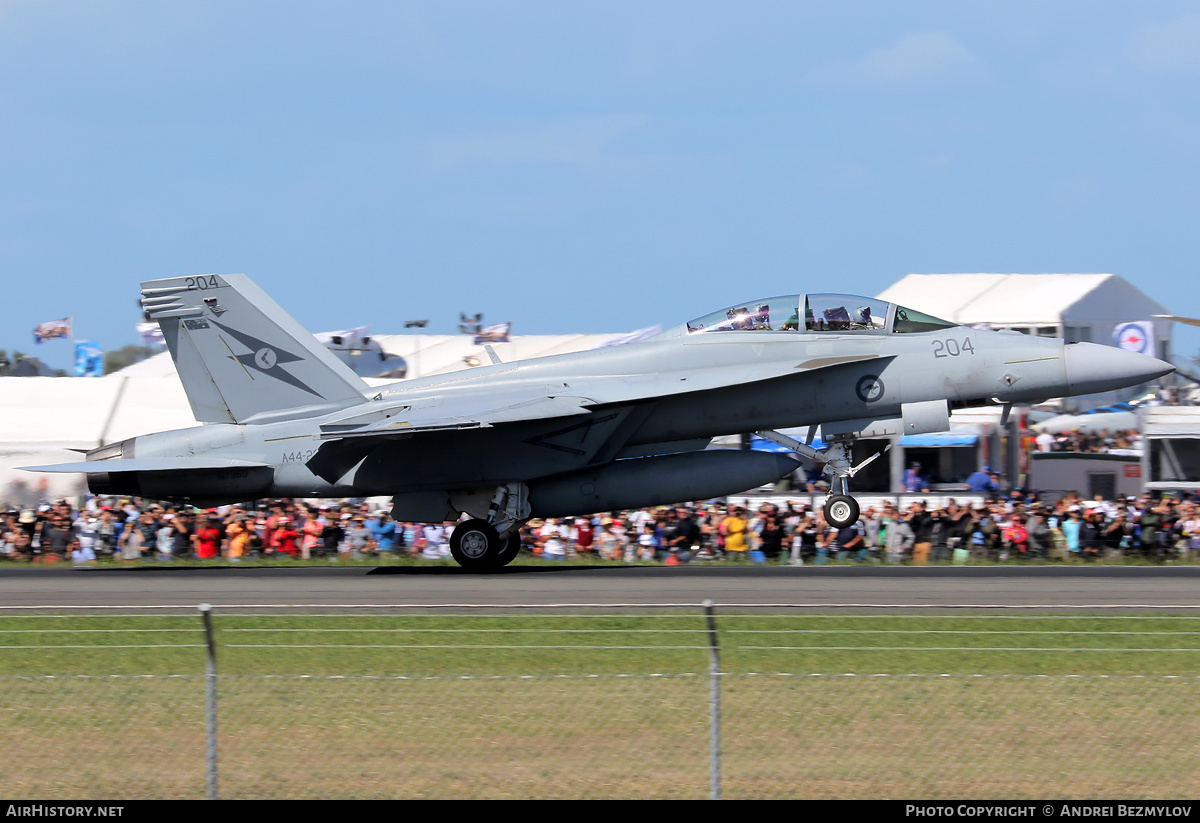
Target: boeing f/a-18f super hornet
{"type": "Point", "coordinates": [600, 430]}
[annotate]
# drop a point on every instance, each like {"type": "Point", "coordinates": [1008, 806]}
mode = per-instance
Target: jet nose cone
{"type": "Point", "coordinates": [1094, 368]}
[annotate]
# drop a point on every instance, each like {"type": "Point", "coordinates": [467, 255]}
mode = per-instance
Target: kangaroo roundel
{"type": "Point", "coordinates": [265, 358]}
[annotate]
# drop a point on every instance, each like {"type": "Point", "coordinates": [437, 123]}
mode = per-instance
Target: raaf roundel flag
{"type": "Point", "coordinates": [1137, 336]}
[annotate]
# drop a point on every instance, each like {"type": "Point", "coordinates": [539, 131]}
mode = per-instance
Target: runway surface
{"type": "Point", "coordinates": [868, 587]}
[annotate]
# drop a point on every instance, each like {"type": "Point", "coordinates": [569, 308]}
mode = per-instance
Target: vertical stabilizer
{"type": "Point", "coordinates": [240, 355]}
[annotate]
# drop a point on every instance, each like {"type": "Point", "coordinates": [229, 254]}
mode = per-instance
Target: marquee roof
{"type": "Point", "coordinates": [1023, 299]}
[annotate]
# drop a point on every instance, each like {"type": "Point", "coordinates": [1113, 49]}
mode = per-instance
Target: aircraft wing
{"type": "Point", "coordinates": [147, 465]}
{"type": "Point", "coordinates": [473, 410]}
{"type": "Point", "coordinates": [451, 414]}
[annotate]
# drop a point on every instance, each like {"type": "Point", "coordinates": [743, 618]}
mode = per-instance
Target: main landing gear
{"type": "Point", "coordinates": [475, 544]}
{"type": "Point", "coordinates": [840, 510]}
{"type": "Point", "coordinates": [492, 542]}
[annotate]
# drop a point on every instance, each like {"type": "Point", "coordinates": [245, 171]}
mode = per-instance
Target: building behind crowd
{"type": "Point", "coordinates": [1171, 452]}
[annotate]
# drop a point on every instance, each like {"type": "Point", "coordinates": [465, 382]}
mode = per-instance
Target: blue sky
{"type": "Point", "coordinates": [580, 166]}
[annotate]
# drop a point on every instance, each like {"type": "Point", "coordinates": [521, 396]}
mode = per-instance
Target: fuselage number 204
{"type": "Point", "coordinates": [951, 347]}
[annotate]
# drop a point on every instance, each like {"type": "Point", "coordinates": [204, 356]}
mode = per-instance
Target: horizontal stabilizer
{"type": "Point", "coordinates": [147, 465]}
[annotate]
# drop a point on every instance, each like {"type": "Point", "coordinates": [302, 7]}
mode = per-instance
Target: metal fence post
{"type": "Point", "coordinates": [714, 701]}
{"type": "Point", "coordinates": [210, 708]}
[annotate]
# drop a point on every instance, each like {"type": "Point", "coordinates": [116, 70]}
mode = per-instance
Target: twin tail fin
{"type": "Point", "coordinates": [241, 357]}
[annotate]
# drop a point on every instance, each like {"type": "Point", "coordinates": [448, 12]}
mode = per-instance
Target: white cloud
{"type": "Point", "coordinates": [571, 141]}
{"type": "Point", "coordinates": [1171, 46]}
{"type": "Point", "coordinates": [915, 62]}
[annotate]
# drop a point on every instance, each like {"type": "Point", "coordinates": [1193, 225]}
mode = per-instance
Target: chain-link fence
{"type": "Point", "coordinates": [492, 708]}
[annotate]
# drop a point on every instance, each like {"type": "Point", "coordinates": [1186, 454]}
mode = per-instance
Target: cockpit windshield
{"type": "Point", "coordinates": [911, 321]}
{"type": "Point", "coordinates": [844, 312]}
{"type": "Point", "coordinates": [771, 314]}
{"type": "Point", "coordinates": [837, 313]}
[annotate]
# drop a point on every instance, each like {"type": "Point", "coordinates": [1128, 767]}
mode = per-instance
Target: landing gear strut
{"type": "Point", "coordinates": [841, 510]}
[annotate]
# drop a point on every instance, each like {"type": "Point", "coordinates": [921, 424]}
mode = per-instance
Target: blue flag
{"type": "Point", "coordinates": [89, 359]}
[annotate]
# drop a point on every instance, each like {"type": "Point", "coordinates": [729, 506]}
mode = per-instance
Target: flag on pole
{"type": "Point", "coordinates": [151, 334]}
{"type": "Point", "coordinates": [495, 333]}
{"type": "Point", "coordinates": [52, 329]}
{"type": "Point", "coordinates": [89, 359]}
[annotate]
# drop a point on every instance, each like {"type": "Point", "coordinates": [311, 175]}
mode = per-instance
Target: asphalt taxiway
{"type": "Point", "coordinates": [872, 587]}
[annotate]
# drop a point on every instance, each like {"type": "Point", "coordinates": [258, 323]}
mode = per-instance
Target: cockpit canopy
{"type": "Point", "coordinates": [809, 313]}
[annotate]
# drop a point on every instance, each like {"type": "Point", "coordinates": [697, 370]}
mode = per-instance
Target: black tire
{"type": "Point", "coordinates": [476, 545]}
{"type": "Point", "coordinates": [512, 547]}
{"type": "Point", "coordinates": [841, 511]}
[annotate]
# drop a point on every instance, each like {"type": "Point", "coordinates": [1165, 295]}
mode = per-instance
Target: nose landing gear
{"type": "Point", "coordinates": [840, 510]}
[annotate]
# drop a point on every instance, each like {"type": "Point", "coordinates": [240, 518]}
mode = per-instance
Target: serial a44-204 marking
{"type": "Point", "coordinates": [298, 457]}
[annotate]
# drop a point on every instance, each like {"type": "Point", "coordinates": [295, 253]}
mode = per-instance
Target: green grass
{"type": "Point", "coordinates": [421, 704]}
{"type": "Point", "coordinates": [476, 644]}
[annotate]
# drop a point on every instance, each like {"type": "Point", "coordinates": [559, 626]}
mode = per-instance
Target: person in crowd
{"type": "Point", "coordinates": [108, 533]}
{"type": "Point", "coordinates": [982, 482]}
{"type": "Point", "coordinates": [648, 542]}
{"type": "Point", "coordinates": [206, 540]}
{"type": "Point", "coordinates": [771, 534]}
{"type": "Point", "coordinates": [1041, 539]}
{"type": "Point", "coordinates": [56, 536]}
{"type": "Point", "coordinates": [896, 534]}
{"type": "Point", "coordinates": [582, 538]}
{"type": "Point", "coordinates": [332, 533]}
{"type": "Point", "coordinates": [436, 539]}
{"type": "Point", "coordinates": [921, 523]}
{"type": "Point", "coordinates": [383, 532]}
{"type": "Point", "coordinates": [1016, 537]}
{"type": "Point", "coordinates": [682, 535]}
{"type": "Point", "coordinates": [182, 529]}
{"type": "Point", "coordinates": [285, 539]}
{"type": "Point", "coordinates": [237, 534]}
{"type": "Point", "coordinates": [81, 555]}
{"type": "Point", "coordinates": [606, 543]}
{"type": "Point", "coordinates": [141, 536]}
{"type": "Point", "coordinates": [310, 534]}
{"type": "Point", "coordinates": [849, 542]}
{"type": "Point", "coordinates": [733, 530]}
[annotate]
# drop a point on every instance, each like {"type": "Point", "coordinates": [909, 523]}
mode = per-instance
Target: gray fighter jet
{"type": "Point", "coordinates": [598, 430]}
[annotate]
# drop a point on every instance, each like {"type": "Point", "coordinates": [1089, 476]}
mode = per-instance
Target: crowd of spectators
{"type": "Point", "coordinates": [1012, 528]}
{"type": "Point", "coordinates": [1103, 441]}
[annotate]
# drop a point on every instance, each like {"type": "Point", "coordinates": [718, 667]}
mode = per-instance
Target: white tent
{"type": "Point", "coordinates": [1084, 307]}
